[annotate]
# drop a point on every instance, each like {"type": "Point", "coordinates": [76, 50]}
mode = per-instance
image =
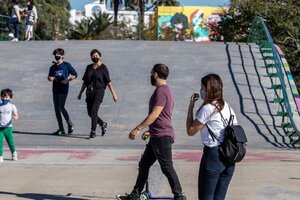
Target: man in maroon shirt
{"type": "Point", "coordinates": [161, 134]}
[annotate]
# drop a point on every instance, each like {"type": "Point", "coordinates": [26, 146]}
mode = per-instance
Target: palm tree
{"type": "Point", "coordinates": [91, 28]}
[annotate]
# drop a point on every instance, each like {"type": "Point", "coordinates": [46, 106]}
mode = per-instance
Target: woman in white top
{"type": "Point", "coordinates": [14, 20]}
{"type": "Point", "coordinates": [214, 173]}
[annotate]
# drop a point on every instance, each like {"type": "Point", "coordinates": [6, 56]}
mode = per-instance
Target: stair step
{"type": "Point", "coordinates": [282, 114]}
{"type": "Point", "coordinates": [295, 142]}
{"type": "Point", "coordinates": [270, 66]}
{"type": "Point", "coordinates": [276, 87]}
{"type": "Point", "coordinates": [291, 133]}
{"type": "Point", "coordinates": [278, 100]}
{"type": "Point", "coordinates": [286, 125]}
{"type": "Point", "coordinates": [272, 75]}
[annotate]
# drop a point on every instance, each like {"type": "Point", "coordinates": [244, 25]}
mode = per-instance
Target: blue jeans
{"type": "Point", "coordinates": [59, 101]}
{"type": "Point", "coordinates": [13, 24]}
{"type": "Point", "coordinates": [158, 148]}
{"type": "Point", "coordinates": [214, 175]}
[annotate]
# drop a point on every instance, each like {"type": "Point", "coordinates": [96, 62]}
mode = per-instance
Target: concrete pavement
{"type": "Point", "coordinates": [103, 173]}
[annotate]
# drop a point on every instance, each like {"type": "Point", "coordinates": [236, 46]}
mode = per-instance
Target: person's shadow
{"type": "Point", "coordinates": [80, 136]}
{"type": "Point", "coordinates": [37, 196]}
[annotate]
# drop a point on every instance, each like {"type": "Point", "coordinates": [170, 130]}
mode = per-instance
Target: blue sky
{"type": "Point", "coordinates": [78, 4]}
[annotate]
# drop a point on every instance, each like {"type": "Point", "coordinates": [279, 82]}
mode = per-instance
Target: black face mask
{"type": "Point", "coordinates": [153, 81]}
{"type": "Point", "coordinates": [57, 58]}
{"type": "Point", "coordinates": [95, 60]}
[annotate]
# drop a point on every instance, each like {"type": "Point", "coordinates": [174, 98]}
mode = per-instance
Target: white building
{"type": "Point", "coordinates": [129, 17]}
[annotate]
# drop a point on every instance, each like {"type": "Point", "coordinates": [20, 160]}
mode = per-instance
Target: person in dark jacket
{"type": "Point", "coordinates": [95, 80]}
{"type": "Point", "coordinates": [61, 73]}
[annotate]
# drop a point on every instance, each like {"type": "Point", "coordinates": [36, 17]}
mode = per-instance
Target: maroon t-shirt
{"type": "Point", "coordinates": [162, 126]}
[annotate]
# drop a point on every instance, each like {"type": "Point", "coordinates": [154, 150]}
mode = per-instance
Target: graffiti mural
{"type": "Point", "coordinates": [195, 23]}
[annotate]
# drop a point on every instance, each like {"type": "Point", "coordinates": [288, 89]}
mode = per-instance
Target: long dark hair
{"type": "Point", "coordinates": [214, 90]}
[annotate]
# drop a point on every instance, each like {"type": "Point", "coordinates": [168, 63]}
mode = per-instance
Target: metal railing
{"type": "Point", "coordinates": [3, 28]}
{"type": "Point", "coordinates": [260, 35]}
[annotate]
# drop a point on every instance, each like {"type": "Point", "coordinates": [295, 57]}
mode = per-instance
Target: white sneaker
{"type": "Point", "coordinates": [15, 40]}
{"type": "Point", "coordinates": [14, 156]}
{"type": "Point", "coordinates": [1, 159]}
{"type": "Point", "coordinates": [11, 35]}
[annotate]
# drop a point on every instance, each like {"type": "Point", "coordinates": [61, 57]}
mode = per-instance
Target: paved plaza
{"type": "Point", "coordinates": [74, 168]}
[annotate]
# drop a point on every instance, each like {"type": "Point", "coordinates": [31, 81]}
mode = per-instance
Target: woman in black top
{"type": "Point", "coordinates": [95, 80]}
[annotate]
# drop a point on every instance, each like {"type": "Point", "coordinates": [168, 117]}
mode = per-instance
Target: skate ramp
{"type": "Point", "coordinates": [247, 88]}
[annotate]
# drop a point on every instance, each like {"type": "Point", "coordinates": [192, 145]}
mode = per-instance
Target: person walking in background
{"type": "Point", "coordinates": [30, 19]}
{"type": "Point", "coordinates": [61, 73]}
{"type": "Point", "coordinates": [14, 20]}
{"type": "Point", "coordinates": [211, 119]}
{"type": "Point", "coordinates": [8, 111]}
{"type": "Point", "coordinates": [95, 80]}
{"type": "Point", "coordinates": [161, 134]}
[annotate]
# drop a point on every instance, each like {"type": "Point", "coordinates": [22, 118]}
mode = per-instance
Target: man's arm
{"type": "Point", "coordinates": [147, 121]}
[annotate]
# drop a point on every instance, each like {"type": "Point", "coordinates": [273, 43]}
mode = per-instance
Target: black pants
{"type": "Point", "coordinates": [93, 106]}
{"type": "Point", "coordinates": [158, 149]}
{"type": "Point", "coordinates": [59, 101]}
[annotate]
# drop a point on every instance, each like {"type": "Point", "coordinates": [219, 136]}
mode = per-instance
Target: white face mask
{"type": "Point", "coordinates": [202, 93]}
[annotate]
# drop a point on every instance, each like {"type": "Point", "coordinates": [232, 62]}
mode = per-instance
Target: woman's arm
{"type": "Point", "coordinates": [192, 126]}
{"type": "Point", "coordinates": [113, 92]}
{"type": "Point", "coordinates": [81, 90]}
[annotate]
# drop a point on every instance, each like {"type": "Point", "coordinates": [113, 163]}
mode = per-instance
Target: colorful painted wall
{"type": "Point", "coordinates": [190, 21]}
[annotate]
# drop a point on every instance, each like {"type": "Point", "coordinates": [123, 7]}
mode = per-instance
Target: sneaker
{"type": "Point", "coordinates": [92, 135]}
{"type": "Point", "coordinates": [103, 128]}
{"type": "Point", "coordinates": [70, 127]}
{"type": "Point", "coordinates": [127, 197]}
{"type": "Point", "coordinates": [183, 197]}
{"type": "Point", "coordinates": [11, 35]}
{"type": "Point", "coordinates": [59, 132]}
{"type": "Point", "coordinates": [14, 156]}
{"type": "Point", "coordinates": [1, 159]}
{"type": "Point", "coordinates": [15, 40]}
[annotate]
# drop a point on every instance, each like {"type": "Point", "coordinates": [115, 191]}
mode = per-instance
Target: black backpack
{"type": "Point", "coordinates": [233, 147]}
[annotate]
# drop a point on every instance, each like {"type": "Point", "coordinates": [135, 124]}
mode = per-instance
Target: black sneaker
{"type": "Point", "coordinates": [183, 197]}
{"type": "Point", "coordinates": [127, 197]}
{"type": "Point", "coordinates": [103, 128]}
{"type": "Point", "coordinates": [92, 135]}
{"type": "Point", "coordinates": [70, 127]}
{"type": "Point", "coordinates": [59, 132]}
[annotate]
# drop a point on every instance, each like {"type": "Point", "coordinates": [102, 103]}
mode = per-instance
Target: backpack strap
{"type": "Point", "coordinates": [213, 136]}
{"type": "Point", "coordinates": [225, 122]}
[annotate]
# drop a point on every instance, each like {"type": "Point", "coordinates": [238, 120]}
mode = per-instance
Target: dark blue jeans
{"type": "Point", "coordinates": [59, 101]}
{"type": "Point", "coordinates": [158, 148]}
{"type": "Point", "coordinates": [13, 24]}
{"type": "Point", "coordinates": [214, 175]}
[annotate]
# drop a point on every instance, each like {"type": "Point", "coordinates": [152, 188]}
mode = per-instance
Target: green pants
{"type": "Point", "coordinates": [8, 134]}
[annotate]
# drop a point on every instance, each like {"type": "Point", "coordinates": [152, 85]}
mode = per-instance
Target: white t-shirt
{"type": "Point", "coordinates": [208, 115]}
{"type": "Point", "coordinates": [6, 114]}
{"type": "Point", "coordinates": [15, 11]}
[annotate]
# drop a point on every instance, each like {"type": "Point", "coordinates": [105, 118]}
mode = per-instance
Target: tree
{"type": "Point", "coordinates": [92, 27]}
{"type": "Point", "coordinates": [49, 12]}
{"type": "Point", "coordinates": [282, 18]}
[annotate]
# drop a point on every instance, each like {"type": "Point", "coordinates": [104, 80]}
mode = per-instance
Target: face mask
{"type": "Point", "coordinates": [57, 58]}
{"type": "Point", "coordinates": [153, 82]}
{"type": "Point", "coordinates": [202, 93]}
{"type": "Point", "coordinates": [5, 101]}
{"type": "Point", "coordinates": [95, 60]}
